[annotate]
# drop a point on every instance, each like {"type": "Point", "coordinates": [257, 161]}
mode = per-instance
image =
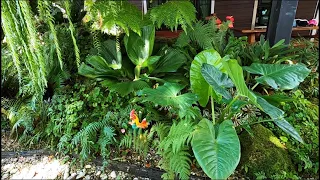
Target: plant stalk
{"type": "Point", "coordinates": [255, 86]}
{"type": "Point", "coordinates": [227, 108]}
{"type": "Point", "coordinates": [137, 72]}
{"type": "Point", "coordinates": [212, 110]}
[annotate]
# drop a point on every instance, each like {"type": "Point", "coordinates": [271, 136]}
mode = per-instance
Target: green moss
{"type": "Point", "coordinates": [263, 153]}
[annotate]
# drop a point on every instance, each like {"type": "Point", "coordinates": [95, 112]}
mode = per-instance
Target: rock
{"type": "Point", "coordinates": [263, 153]}
{"type": "Point", "coordinates": [80, 175]}
{"type": "Point", "coordinates": [113, 174]}
{"type": "Point", "coordinates": [72, 177]}
{"type": "Point", "coordinates": [5, 176]}
{"type": "Point", "coordinates": [98, 173]}
{"type": "Point", "coordinates": [66, 172]}
{"type": "Point", "coordinates": [104, 176]}
{"type": "Point", "coordinates": [13, 170]}
{"type": "Point", "coordinates": [135, 178]}
{"type": "Point", "coordinates": [87, 166]}
{"type": "Point", "coordinates": [87, 177]}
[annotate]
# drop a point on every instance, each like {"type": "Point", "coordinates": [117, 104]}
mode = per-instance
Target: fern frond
{"type": "Point", "coordinates": [200, 33]}
{"type": "Point", "coordinates": [161, 129]}
{"type": "Point", "coordinates": [126, 141]}
{"type": "Point", "coordinates": [180, 134]}
{"type": "Point", "coordinates": [174, 13]}
{"type": "Point", "coordinates": [180, 163]}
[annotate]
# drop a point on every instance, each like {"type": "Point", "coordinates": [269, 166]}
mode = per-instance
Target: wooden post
{"type": "Point", "coordinates": [281, 19]}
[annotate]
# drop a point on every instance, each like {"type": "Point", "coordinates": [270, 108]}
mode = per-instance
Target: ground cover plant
{"type": "Point", "coordinates": [98, 84]}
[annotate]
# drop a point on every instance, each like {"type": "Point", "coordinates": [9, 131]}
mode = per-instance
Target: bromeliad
{"type": "Point", "coordinates": [135, 121]}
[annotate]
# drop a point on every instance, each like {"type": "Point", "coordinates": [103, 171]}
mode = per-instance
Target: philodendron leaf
{"type": "Point", "coordinates": [279, 76]}
{"type": "Point", "coordinates": [218, 80]}
{"type": "Point", "coordinates": [235, 72]}
{"type": "Point", "coordinates": [217, 150]}
{"type": "Point", "coordinates": [198, 84]}
{"type": "Point", "coordinates": [139, 48]}
{"type": "Point", "coordinates": [278, 116]}
{"type": "Point", "coordinates": [167, 95]}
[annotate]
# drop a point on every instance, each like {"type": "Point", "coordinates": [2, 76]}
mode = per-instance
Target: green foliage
{"type": "Point", "coordinates": [279, 76]}
{"type": "Point", "coordinates": [109, 16]}
{"type": "Point", "coordinates": [174, 13]}
{"type": "Point", "coordinates": [217, 149]}
{"type": "Point", "coordinates": [304, 116]}
{"type": "Point", "coordinates": [202, 36]}
{"type": "Point", "coordinates": [167, 95]}
{"type": "Point", "coordinates": [261, 52]}
{"type": "Point", "coordinates": [307, 53]}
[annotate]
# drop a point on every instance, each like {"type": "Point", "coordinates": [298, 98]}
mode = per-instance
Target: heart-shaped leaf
{"type": "Point", "coordinates": [217, 150]}
{"type": "Point", "coordinates": [279, 76]}
{"type": "Point", "coordinates": [218, 80]}
{"type": "Point", "coordinates": [198, 84]}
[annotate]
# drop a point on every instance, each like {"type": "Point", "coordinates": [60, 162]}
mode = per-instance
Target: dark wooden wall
{"type": "Point", "coordinates": [240, 10]}
{"type": "Point", "coordinates": [138, 3]}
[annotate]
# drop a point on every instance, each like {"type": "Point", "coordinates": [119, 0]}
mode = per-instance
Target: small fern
{"type": "Point", "coordinates": [174, 13]}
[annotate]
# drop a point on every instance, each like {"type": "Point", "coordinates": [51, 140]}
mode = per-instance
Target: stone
{"type": "Point", "coordinates": [5, 176]}
{"type": "Point", "coordinates": [66, 172]}
{"type": "Point", "coordinates": [87, 166]}
{"type": "Point", "coordinates": [80, 175]}
{"type": "Point", "coordinates": [263, 153]}
{"type": "Point", "coordinates": [104, 176]}
{"type": "Point", "coordinates": [72, 176]}
{"type": "Point", "coordinates": [13, 170]}
{"type": "Point", "coordinates": [113, 174]}
{"type": "Point", "coordinates": [87, 177]}
{"type": "Point", "coordinates": [135, 178]}
{"type": "Point", "coordinates": [98, 173]}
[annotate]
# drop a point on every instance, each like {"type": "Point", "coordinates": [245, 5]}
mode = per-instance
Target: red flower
{"type": "Point", "coordinates": [230, 18]}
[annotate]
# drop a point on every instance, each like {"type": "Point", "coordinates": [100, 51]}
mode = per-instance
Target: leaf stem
{"type": "Point", "coordinates": [157, 79]}
{"type": "Point", "coordinates": [227, 108]}
{"type": "Point", "coordinates": [254, 86]}
{"type": "Point", "coordinates": [212, 110]}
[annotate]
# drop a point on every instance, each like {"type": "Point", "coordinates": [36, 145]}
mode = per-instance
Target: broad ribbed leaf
{"type": "Point", "coordinates": [235, 72]}
{"type": "Point", "coordinates": [109, 52]}
{"type": "Point", "coordinates": [125, 88]}
{"type": "Point", "coordinates": [279, 76]}
{"type": "Point", "coordinates": [167, 95]}
{"type": "Point", "coordinates": [170, 61]}
{"type": "Point", "coordinates": [278, 116]}
{"type": "Point", "coordinates": [216, 150]}
{"type": "Point", "coordinates": [139, 48]}
{"type": "Point", "coordinates": [198, 84]}
{"type": "Point", "coordinates": [218, 80]}
{"type": "Point", "coordinates": [100, 69]}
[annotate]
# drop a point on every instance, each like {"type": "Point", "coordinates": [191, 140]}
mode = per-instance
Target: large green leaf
{"type": "Point", "coordinates": [139, 48]}
{"type": "Point", "coordinates": [167, 95]}
{"type": "Point", "coordinates": [100, 68]}
{"type": "Point", "coordinates": [198, 84]}
{"type": "Point", "coordinates": [218, 80]}
{"type": "Point", "coordinates": [279, 76]}
{"type": "Point", "coordinates": [278, 116]}
{"type": "Point", "coordinates": [217, 150]}
{"type": "Point", "coordinates": [124, 88]}
{"type": "Point", "coordinates": [109, 52]}
{"type": "Point", "coordinates": [170, 61]}
{"type": "Point", "coordinates": [235, 72]}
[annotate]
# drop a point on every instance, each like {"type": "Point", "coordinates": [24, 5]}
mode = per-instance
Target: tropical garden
{"type": "Point", "coordinates": [90, 80]}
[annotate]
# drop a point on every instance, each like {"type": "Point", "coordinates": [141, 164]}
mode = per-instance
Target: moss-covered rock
{"type": "Point", "coordinates": [263, 153]}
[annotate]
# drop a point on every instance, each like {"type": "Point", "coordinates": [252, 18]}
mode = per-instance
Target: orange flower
{"type": "Point", "coordinates": [218, 21]}
{"type": "Point", "coordinates": [135, 121]}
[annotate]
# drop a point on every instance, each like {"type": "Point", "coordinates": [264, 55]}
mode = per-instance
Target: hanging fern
{"type": "Point", "coordinates": [20, 31]}
{"type": "Point", "coordinates": [174, 13]}
{"type": "Point", "coordinates": [45, 14]}
{"type": "Point", "coordinates": [108, 16]}
{"type": "Point", "coordinates": [72, 32]}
